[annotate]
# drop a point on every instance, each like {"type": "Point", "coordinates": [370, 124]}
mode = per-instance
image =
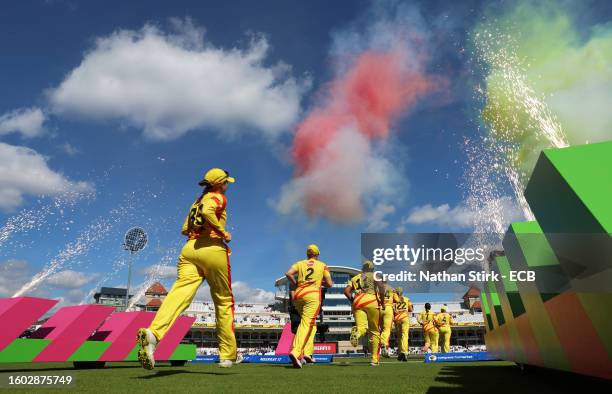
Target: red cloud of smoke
{"type": "Point", "coordinates": [335, 165]}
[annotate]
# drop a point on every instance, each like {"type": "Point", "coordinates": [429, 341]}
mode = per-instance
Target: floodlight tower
{"type": "Point", "coordinates": [135, 240]}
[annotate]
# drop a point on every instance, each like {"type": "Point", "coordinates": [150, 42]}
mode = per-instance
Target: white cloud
{"type": "Point", "coordinates": [462, 216]}
{"type": "Point", "coordinates": [70, 279]}
{"type": "Point", "coordinates": [27, 121]}
{"type": "Point", "coordinates": [350, 176]}
{"type": "Point", "coordinates": [13, 274]}
{"type": "Point", "coordinates": [171, 83]}
{"type": "Point", "coordinates": [160, 271]}
{"type": "Point", "coordinates": [70, 150]}
{"type": "Point", "coordinates": [25, 171]}
{"type": "Point", "coordinates": [376, 219]}
{"type": "Point", "coordinates": [242, 293]}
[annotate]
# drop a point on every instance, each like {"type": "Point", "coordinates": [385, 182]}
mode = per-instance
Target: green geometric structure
{"type": "Point", "coordinates": [23, 350]}
{"type": "Point", "coordinates": [562, 319]}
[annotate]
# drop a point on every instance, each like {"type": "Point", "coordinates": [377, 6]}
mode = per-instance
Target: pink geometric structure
{"type": "Point", "coordinates": [285, 341]}
{"type": "Point", "coordinates": [120, 329]}
{"type": "Point", "coordinates": [67, 335]}
{"type": "Point", "coordinates": [68, 329]}
{"type": "Point", "coordinates": [19, 313]}
{"type": "Point", "coordinates": [173, 337]}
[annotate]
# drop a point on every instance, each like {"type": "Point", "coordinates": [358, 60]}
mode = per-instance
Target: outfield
{"type": "Point", "coordinates": [344, 375]}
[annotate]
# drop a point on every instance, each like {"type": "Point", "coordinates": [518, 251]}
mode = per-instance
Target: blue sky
{"type": "Point", "coordinates": [109, 148]}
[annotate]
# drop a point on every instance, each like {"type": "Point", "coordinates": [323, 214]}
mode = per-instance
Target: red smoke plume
{"type": "Point", "coordinates": [374, 92]}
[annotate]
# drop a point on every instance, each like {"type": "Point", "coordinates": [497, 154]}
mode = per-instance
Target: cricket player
{"type": "Point", "coordinates": [387, 320]}
{"type": "Point", "coordinates": [430, 331]}
{"type": "Point", "coordinates": [352, 290]}
{"type": "Point", "coordinates": [444, 321]}
{"type": "Point", "coordinates": [311, 273]}
{"type": "Point", "coordinates": [205, 255]}
{"type": "Point", "coordinates": [371, 301]}
{"type": "Point", "coordinates": [401, 308]}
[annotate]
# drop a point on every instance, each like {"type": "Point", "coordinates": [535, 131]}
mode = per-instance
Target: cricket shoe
{"type": "Point", "coordinates": [354, 336]}
{"type": "Point", "coordinates": [373, 364]}
{"type": "Point", "coordinates": [147, 342]}
{"type": "Point", "coordinates": [239, 359]}
{"type": "Point", "coordinates": [385, 352]}
{"type": "Point", "coordinates": [295, 361]}
{"type": "Point", "coordinates": [225, 364]}
{"type": "Point", "coordinates": [309, 359]}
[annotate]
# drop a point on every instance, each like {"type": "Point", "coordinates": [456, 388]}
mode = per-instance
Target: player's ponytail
{"type": "Point", "coordinates": [207, 188]}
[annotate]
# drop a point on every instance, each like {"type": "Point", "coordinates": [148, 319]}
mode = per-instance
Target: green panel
{"type": "Point", "coordinates": [485, 309]}
{"type": "Point", "coordinates": [133, 356]}
{"type": "Point", "coordinates": [569, 193]}
{"type": "Point", "coordinates": [569, 190]}
{"type": "Point", "coordinates": [90, 351]}
{"type": "Point", "coordinates": [23, 350]}
{"type": "Point", "coordinates": [496, 304]}
{"type": "Point", "coordinates": [514, 298]}
{"type": "Point", "coordinates": [528, 248]}
{"type": "Point", "coordinates": [483, 301]}
{"type": "Point", "coordinates": [184, 352]}
{"type": "Point", "coordinates": [587, 169]}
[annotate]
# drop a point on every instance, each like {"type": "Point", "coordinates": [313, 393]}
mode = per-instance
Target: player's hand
{"type": "Point", "coordinates": [227, 236]}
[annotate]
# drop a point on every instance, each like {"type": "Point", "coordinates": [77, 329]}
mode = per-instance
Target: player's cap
{"type": "Point", "coordinates": [399, 290]}
{"type": "Point", "coordinates": [367, 266]}
{"type": "Point", "coordinates": [443, 308]}
{"type": "Point", "coordinates": [216, 176]}
{"type": "Point", "coordinates": [313, 249]}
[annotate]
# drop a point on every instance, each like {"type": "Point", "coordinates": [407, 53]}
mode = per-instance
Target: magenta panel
{"type": "Point", "coordinates": [285, 341]}
{"type": "Point", "coordinates": [68, 328]}
{"type": "Point", "coordinates": [17, 314]}
{"type": "Point", "coordinates": [173, 337]}
{"type": "Point", "coordinates": [122, 328]}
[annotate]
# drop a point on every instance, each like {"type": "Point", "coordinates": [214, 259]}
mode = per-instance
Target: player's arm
{"type": "Point", "coordinates": [451, 321]}
{"type": "Point", "coordinates": [348, 292]}
{"type": "Point", "coordinates": [290, 274]}
{"type": "Point", "coordinates": [185, 228]}
{"type": "Point", "coordinates": [327, 280]}
{"type": "Point", "coordinates": [209, 211]}
{"type": "Point", "coordinates": [410, 308]}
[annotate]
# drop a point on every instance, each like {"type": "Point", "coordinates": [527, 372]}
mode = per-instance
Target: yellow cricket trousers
{"type": "Point", "coordinates": [431, 338]}
{"type": "Point", "coordinates": [445, 336]}
{"type": "Point", "coordinates": [308, 307]}
{"type": "Point", "coordinates": [369, 304]}
{"type": "Point", "coordinates": [402, 326]}
{"type": "Point", "coordinates": [361, 321]}
{"type": "Point", "coordinates": [387, 323]}
{"type": "Point", "coordinates": [203, 258]}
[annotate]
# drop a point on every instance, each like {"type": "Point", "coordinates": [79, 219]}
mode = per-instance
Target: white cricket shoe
{"type": "Point", "coordinates": [148, 342]}
{"type": "Point", "coordinates": [225, 364]}
{"type": "Point", "coordinates": [309, 359]}
{"type": "Point", "coordinates": [239, 359]}
{"type": "Point", "coordinates": [297, 363]}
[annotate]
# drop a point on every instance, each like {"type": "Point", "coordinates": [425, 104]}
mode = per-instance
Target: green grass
{"type": "Point", "coordinates": [344, 375]}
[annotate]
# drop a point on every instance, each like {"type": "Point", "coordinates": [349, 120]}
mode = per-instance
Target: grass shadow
{"type": "Point", "coordinates": [510, 378]}
{"type": "Point", "coordinates": [168, 372]}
